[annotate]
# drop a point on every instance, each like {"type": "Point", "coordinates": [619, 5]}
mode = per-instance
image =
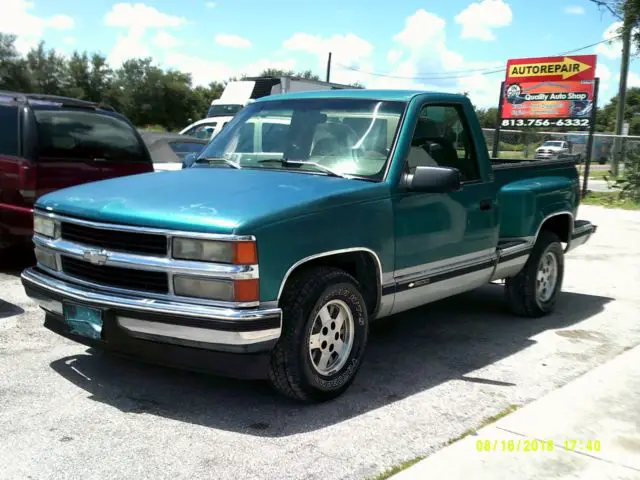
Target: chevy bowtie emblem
{"type": "Point", "coordinates": [96, 257]}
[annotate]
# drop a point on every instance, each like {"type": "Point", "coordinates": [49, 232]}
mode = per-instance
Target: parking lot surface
{"type": "Point", "coordinates": [67, 412]}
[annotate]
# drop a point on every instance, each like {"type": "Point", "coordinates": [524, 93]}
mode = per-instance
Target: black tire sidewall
{"type": "Point", "coordinates": [310, 378]}
{"type": "Point", "coordinates": [553, 246]}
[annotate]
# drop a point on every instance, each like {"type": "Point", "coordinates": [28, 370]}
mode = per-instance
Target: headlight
{"type": "Point", "coordinates": [45, 226]}
{"type": "Point", "coordinates": [241, 253]}
{"type": "Point", "coordinates": [46, 258]}
{"type": "Point", "coordinates": [216, 289]}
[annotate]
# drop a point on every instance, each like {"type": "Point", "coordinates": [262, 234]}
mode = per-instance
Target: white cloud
{"type": "Point", "coordinates": [394, 55]}
{"type": "Point", "coordinates": [233, 41]}
{"type": "Point", "coordinates": [260, 66]}
{"type": "Point", "coordinates": [349, 52]}
{"type": "Point", "coordinates": [202, 71]}
{"type": "Point", "coordinates": [129, 46]}
{"type": "Point", "coordinates": [141, 16]}
{"type": "Point", "coordinates": [210, 4]}
{"type": "Point", "coordinates": [70, 41]}
{"type": "Point", "coordinates": [60, 22]}
{"type": "Point", "coordinates": [137, 19]}
{"type": "Point", "coordinates": [479, 19]}
{"type": "Point", "coordinates": [16, 19]}
{"type": "Point", "coordinates": [165, 40]}
{"type": "Point", "coordinates": [425, 62]}
{"type": "Point", "coordinates": [613, 48]}
{"type": "Point", "coordinates": [604, 74]}
{"type": "Point", "coordinates": [574, 10]}
{"type": "Point", "coordinates": [633, 80]}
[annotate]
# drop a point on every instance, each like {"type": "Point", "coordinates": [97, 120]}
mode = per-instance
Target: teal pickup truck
{"type": "Point", "coordinates": [309, 216]}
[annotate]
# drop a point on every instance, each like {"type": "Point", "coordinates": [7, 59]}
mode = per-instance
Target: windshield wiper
{"type": "Point", "coordinates": [287, 162]}
{"type": "Point", "coordinates": [218, 159]}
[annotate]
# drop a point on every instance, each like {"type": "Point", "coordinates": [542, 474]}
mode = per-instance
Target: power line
{"type": "Point", "coordinates": [454, 74]}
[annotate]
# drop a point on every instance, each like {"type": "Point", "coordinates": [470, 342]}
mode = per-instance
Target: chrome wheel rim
{"type": "Point", "coordinates": [547, 277]}
{"type": "Point", "coordinates": [331, 337]}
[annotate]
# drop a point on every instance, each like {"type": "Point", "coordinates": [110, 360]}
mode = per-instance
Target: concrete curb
{"type": "Point", "coordinates": [589, 428]}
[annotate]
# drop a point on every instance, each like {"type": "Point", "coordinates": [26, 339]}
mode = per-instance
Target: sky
{"type": "Point", "coordinates": [429, 44]}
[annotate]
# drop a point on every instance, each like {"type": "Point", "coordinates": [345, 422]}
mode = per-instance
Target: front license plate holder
{"type": "Point", "coordinates": [84, 321]}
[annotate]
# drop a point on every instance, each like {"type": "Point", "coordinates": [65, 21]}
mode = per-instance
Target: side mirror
{"type": "Point", "coordinates": [434, 180]}
{"type": "Point", "coordinates": [189, 160]}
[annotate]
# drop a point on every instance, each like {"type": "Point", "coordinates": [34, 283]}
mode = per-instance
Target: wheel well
{"type": "Point", "coordinates": [560, 225]}
{"type": "Point", "coordinates": [360, 265]}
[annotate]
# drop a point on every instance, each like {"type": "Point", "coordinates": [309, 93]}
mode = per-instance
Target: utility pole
{"type": "Point", "coordinates": [329, 67]}
{"type": "Point", "coordinates": [627, 26]}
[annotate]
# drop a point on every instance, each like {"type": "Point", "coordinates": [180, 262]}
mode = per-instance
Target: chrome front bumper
{"type": "Point", "coordinates": [200, 326]}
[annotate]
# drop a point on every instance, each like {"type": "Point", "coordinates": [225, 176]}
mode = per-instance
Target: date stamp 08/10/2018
{"type": "Point", "coordinates": [537, 446]}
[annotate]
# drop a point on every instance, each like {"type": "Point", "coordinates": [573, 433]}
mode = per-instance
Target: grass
{"type": "Point", "coordinates": [472, 431]}
{"type": "Point", "coordinates": [610, 200]}
{"type": "Point", "coordinates": [599, 174]}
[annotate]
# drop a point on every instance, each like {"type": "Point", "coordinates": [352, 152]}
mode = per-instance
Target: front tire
{"type": "Point", "coordinates": [533, 292]}
{"type": "Point", "coordinates": [324, 335]}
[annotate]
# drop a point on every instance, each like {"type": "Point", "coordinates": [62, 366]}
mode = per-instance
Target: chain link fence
{"type": "Point", "coordinates": [535, 145]}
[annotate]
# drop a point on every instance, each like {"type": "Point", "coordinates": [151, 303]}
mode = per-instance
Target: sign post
{"type": "Point", "coordinates": [496, 135]}
{"type": "Point", "coordinates": [592, 128]}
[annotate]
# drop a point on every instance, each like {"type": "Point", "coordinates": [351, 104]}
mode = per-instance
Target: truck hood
{"type": "Point", "coordinates": [212, 200]}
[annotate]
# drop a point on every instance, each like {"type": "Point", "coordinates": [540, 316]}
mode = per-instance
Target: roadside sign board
{"type": "Point", "coordinates": [547, 104]}
{"type": "Point", "coordinates": [547, 69]}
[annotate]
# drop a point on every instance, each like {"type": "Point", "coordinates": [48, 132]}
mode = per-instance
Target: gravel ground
{"type": "Point", "coordinates": [67, 412]}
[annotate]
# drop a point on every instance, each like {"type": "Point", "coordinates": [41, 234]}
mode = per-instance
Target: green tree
{"type": "Point", "coordinates": [48, 71]}
{"type": "Point", "coordinates": [488, 117]}
{"type": "Point", "coordinates": [14, 71]}
{"type": "Point", "coordinates": [606, 116]}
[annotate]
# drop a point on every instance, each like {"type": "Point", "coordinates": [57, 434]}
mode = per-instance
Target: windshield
{"type": "Point", "coordinates": [223, 110]}
{"type": "Point", "coordinates": [552, 144]}
{"type": "Point", "coordinates": [352, 137]}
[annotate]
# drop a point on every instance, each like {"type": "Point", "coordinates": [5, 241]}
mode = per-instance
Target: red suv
{"type": "Point", "coordinates": [48, 143]}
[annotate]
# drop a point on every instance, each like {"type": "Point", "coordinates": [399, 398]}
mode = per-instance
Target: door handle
{"type": "Point", "coordinates": [485, 204]}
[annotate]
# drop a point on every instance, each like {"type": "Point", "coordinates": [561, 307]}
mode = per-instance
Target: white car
{"type": "Point", "coordinates": [551, 149]}
{"type": "Point", "coordinates": [207, 128]}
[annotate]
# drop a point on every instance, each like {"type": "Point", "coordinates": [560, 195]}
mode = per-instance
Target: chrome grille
{"type": "Point", "coordinates": [126, 278]}
{"type": "Point", "coordinates": [118, 240]}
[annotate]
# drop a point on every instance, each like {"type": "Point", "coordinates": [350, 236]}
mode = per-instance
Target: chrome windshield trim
{"type": "Point", "coordinates": [150, 230]}
{"type": "Point", "coordinates": [169, 307]}
{"type": "Point", "coordinates": [152, 263]}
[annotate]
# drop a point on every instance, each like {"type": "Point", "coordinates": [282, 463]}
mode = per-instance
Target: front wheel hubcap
{"type": "Point", "coordinates": [547, 277]}
{"type": "Point", "coordinates": [331, 337]}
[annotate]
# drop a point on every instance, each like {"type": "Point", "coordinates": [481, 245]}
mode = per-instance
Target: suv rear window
{"type": "Point", "coordinates": [8, 129]}
{"type": "Point", "coordinates": [86, 135]}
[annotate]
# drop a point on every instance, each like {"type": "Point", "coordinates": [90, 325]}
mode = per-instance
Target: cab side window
{"type": "Point", "coordinates": [441, 138]}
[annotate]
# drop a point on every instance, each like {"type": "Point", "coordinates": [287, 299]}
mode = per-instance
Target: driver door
{"type": "Point", "coordinates": [445, 243]}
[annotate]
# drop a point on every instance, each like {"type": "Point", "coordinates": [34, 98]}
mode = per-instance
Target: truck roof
{"type": "Point", "coordinates": [389, 95]}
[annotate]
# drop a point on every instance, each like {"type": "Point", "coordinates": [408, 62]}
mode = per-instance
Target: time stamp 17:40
{"type": "Point", "coordinates": [547, 122]}
{"type": "Point", "coordinates": [526, 445]}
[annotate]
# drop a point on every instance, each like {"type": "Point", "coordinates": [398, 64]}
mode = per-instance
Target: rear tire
{"type": "Point", "coordinates": [533, 292]}
{"type": "Point", "coordinates": [324, 335]}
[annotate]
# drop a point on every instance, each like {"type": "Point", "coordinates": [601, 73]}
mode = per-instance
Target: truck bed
{"type": "Point", "coordinates": [508, 170]}
{"type": "Point", "coordinates": [510, 163]}
{"type": "Point", "coordinates": [529, 190]}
